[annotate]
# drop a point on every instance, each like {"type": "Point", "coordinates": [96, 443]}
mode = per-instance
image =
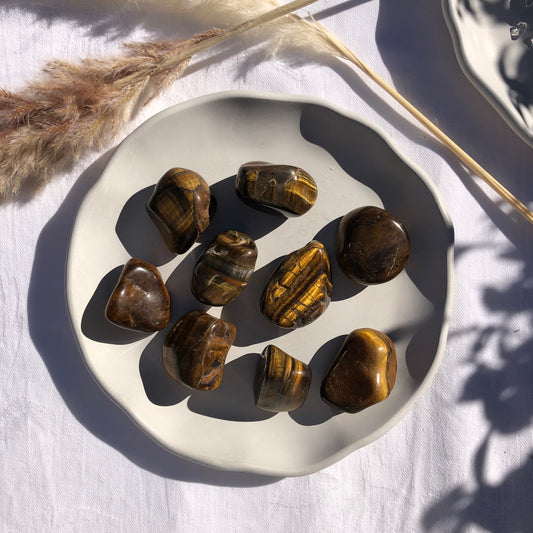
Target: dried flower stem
{"type": "Point", "coordinates": [345, 53]}
{"type": "Point", "coordinates": [76, 108]}
{"type": "Point", "coordinates": [223, 35]}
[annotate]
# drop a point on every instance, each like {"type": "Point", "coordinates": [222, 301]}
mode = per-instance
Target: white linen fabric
{"type": "Point", "coordinates": [461, 460]}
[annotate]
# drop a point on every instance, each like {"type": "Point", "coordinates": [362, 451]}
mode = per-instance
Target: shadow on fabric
{"type": "Point", "coordinates": [504, 392]}
{"type": "Point", "coordinates": [110, 18]}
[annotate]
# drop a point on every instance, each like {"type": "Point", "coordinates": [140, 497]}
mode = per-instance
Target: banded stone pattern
{"type": "Point", "coordinates": [223, 270]}
{"type": "Point", "coordinates": [195, 350]}
{"type": "Point", "coordinates": [181, 208]}
{"type": "Point", "coordinates": [285, 187]}
{"type": "Point", "coordinates": [299, 291]}
{"type": "Point", "coordinates": [281, 382]}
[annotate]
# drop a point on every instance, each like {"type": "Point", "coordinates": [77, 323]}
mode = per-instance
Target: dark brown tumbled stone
{"type": "Point", "coordinates": [181, 208]}
{"type": "Point", "coordinates": [363, 372]}
{"type": "Point", "coordinates": [299, 291]}
{"type": "Point", "coordinates": [281, 381]}
{"type": "Point", "coordinates": [372, 245]}
{"type": "Point", "coordinates": [140, 299]}
{"type": "Point", "coordinates": [195, 350]}
{"type": "Point", "coordinates": [223, 270]}
{"type": "Point", "coordinates": [284, 187]}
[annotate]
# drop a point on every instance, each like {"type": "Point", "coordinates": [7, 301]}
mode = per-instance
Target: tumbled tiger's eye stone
{"type": "Point", "coordinates": [284, 187]}
{"type": "Point", "coordinates": [195, 350]}
{"type": "Point", "coordinates": [223, 270]}
{"type": "Point", "coordinates": [140, 299]}
{"type": "Point", "coordinates": [362, 374]}
{"type": "Point", "coordinates": [299, 291]}
{"type": "Point", "coordinates": [181, 208]}
{"type": "Point", "coordinates": [281, 381]}
{"type": "Point", "coordinates": [372, 245]}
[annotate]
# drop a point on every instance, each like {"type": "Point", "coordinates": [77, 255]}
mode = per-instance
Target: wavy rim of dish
{"type": "Point", "coordinates": [269, 470]}
{"type": "Point", "coordinates": [470, 71]}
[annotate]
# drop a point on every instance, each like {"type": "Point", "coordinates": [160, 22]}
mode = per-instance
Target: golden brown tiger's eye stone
{"type": "Point", "coordinates": [372, 245]}
{"type": "Point", "coordinates": [362, 374]}
{"type": "Point", "coordinates": [281, 381]}
{"type": "Point", "coordinates": [140, 299]}
{"type": "Point", "coordinates": [284, 187]}
{"type": "Point", "coordinates": [181, 207]}
{"type": "Point", "coordinates": [195, 350]}
{"type": "Point", "coordinates": [299, 291]}
{"type": "Point", "coordinates": [223, 270]}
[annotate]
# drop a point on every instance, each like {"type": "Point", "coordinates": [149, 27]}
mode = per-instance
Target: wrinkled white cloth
{"type": "Point", "coordinates": [461, 460]}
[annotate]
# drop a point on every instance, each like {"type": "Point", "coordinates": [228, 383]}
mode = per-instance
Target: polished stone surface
{"type": "Point", "coordinates": [363, 372]}
{"type": "Point", "coordinates": [223, 270]}
{"type": "Point", "coordinates": [372, 245]}
{"type": "Point", "coordinates": [181, 207]}
{"type": "Point", "coordinates": [281, 381]}
{"type": "Point", "coordinates": [284, 187]}
{"type": "Point", "coordinates": [299, 291]}
{"type": "Point", "coordinates": [195, 350]}
{"type": "Point", "coordinates": [140, 300]}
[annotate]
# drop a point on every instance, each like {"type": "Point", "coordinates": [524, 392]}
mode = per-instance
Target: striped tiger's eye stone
{"type": "Point", "coordinates": [284, 187]}
{"type": "Point", "coordinates": [140, 299]}
{"type": "Point", "coordinates": [223, 270]}
{"type": "Point", "coordinates": [363, 372]}
{"type": "Point", "coordinates": [195, 350]}
{"type": "Point", "coordinates": [181, 208]}
{"type": "Point", "coordinates": [281, 381]}
{"type": "Point", "coordinates": [299, 291]}
{"type": "Point", "coordinates": [372, 245]}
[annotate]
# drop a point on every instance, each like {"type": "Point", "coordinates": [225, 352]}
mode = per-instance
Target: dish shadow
{"type": "Point", "coordinates": [54, 339]}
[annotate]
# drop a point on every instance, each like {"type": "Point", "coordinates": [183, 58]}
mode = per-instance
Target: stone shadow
{"type": "Point", "coordinates": [234, 214]}
{"type": "Point", "coordinates": [343, 287]}
{"type": "Point", "coordinates": [233, 399]}
{"type": "Point", "coordinates": [245, 311]}
{"type": "Point", "coordinates": [314, 410]}
{"type": "Point", "coordinates": [55, 341]}
{"type": "Point", "coordinates": [138, 234]}
{"type": "Point", "coordinates": [160, 388]}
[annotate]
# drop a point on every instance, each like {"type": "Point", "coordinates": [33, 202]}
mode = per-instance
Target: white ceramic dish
{"type": "Point", "coordinates": [353, 166]}
{"type": "Point", "coordinates": [500, 68]}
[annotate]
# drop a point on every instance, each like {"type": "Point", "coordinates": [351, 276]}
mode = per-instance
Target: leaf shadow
{"type": "Point", "coordinates": [504, 393]}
